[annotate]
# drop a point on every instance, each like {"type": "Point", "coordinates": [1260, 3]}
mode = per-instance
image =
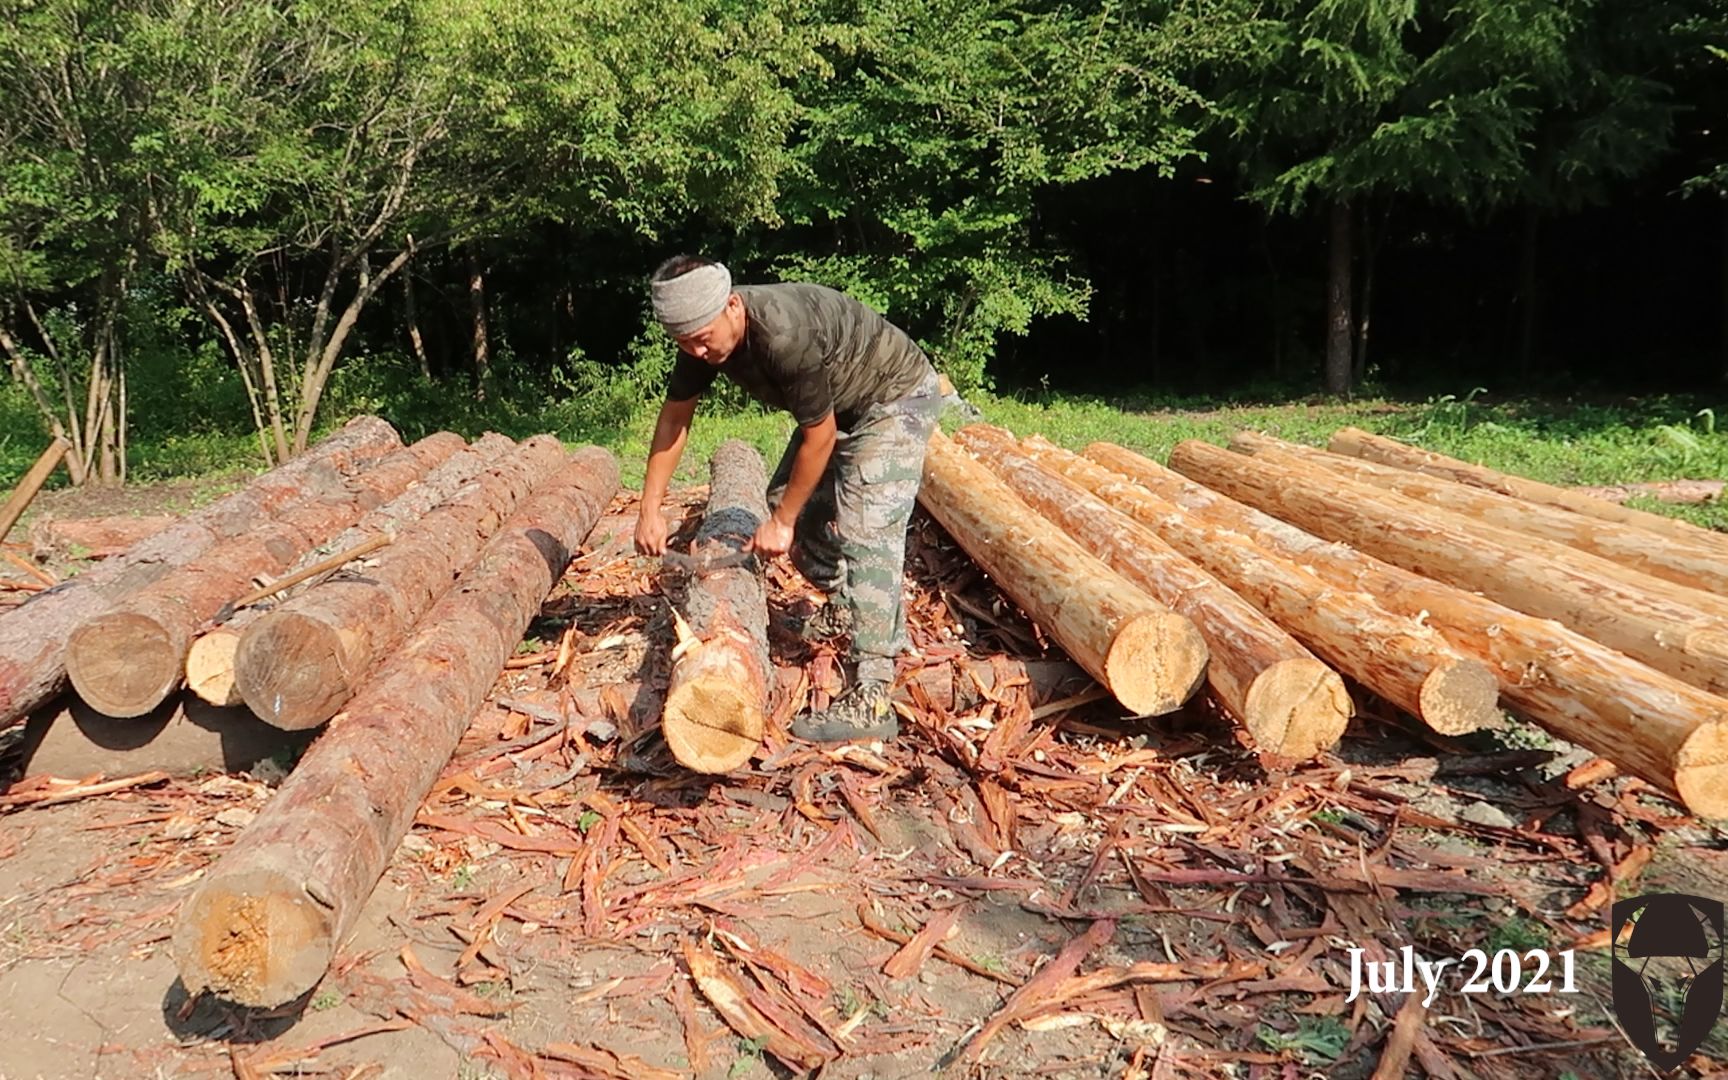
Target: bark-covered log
{"type": "Point", "coordinates": [716, 700]}
{"type": "Point", "coordinates": [25, 492]}
{"type": "Point", "coordinates": [1149, 657]}
{"type": "Point", "coordinates": [296, 665]}
{"type": "Point", "coordinates": [1358, 443]}
{"type": "Point", "coordinates": [1685, 562]}
{"type": "Point", "coordinates": [268, 917]}
{"type": "Point", "coordinates": [1650, 723]}
{"type": "Point", "coordinates": [1395, 656]}
{"type": "Point", "coordinates": [1291, 704]}
{"type": "Point", "coordinates": [210, 660]}
{"type": "Point", "coordinates": [1534, 576]}
{"type": "Point", "coordinates": [127, 661]}
{"type": "Point", "coordinates": [33, 636]}
{"type": "Point", "coordinates": [182, 737]}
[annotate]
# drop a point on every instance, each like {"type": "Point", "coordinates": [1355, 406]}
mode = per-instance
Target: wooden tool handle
{"type": "Point", "coordinates": [334, 562]}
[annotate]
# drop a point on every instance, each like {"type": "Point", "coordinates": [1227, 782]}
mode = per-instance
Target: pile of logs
{"type": "Point", "coordinates": [1444, 588]}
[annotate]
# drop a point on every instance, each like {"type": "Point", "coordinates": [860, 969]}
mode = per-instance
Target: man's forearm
{"type": "Point", "coordinates": [808, 464]}
{"type": "Point", "coordinates": [670, 435]}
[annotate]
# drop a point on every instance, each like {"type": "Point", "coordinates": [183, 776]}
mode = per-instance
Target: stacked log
{"type": "Point", "coordinates": [1290, 703]}
{"type": "Point", "coordinates": [297, 665]}
{"type": "Point", "coordinates": [1534, 576]}
{"type": "Point", "coordinates": [716, 700]}
{"type": "Point", "coordinates": [1396, 657]}
{"type": "Point", "coordinates": [267, 919]}
{"type": "Point", "coordinates": [1355, 442]}
{"type": "Point", "coordinates": [1683, 561]}
{"type": "Point", "coordinates": [126, 661]}
{"type": "Point", "coordinates": [1653, 725]}
{"type": "Point", "coordinates": [1149, 657]}
{"type": "Point", "coordinates": [210, 660]}
{"type": "Point", "coordinates": [33, 636]}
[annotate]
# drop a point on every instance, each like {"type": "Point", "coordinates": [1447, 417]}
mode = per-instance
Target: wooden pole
{"type": "Point", "coordinates": [1651, 724]}
{"type": "Point", "coordinates": [716, 700]}
{"type": "Point", "coordinates": [1396, 657]}
{"type": "Point", "coordinates": [267, 919]}
{"type": "Point", "coordinates": [1149, 657]}
{"type": "Point", "coordinates": [1291, 704]}
{"type": "Point", "coordinates": [1358, 443]}
{"type": "Point", "coordinates": [32, 483]}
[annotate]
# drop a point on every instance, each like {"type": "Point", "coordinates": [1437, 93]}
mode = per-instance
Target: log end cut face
{"type": "Point", "coordinates": [1156, 661]}
{"type": "Point", "coordinates": [1701, 770]}
{"type": "Point", "coordinates": [711, 725]}
{"type": "Point", "coordinates": [210, 668]}
{"type": "Point", "coordinates": [1459, 697]}
{"type": "Point", "coordinates": [258, 941]}
{"type": "Point", "coordinates": [293, 670]}
{"type": "Point", "coordinates": [123, 663]}
{"type": "Point", "coordinates": [1297, 708]}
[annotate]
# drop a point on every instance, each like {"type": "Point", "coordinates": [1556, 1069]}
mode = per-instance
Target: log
{"type": "Point", "coordinates": [33, 636]}
{"type": "Point", "coordinates": [34, 478]}
{"type": "Point", "coordinates": [1290, 703]}
{"type": "Point", "coordinates": [1685, 562]}
{"type": "Point", "coordinates": [1358, 443]}
{"type": "Point", "coordinates": [1396, 657]}
{"type": "Point", "coordinates": [94, 538]}
{"type": "Point", "coordinates": [1149, 657]}
{"type": "Point", "coordinates": [1650, 723]}
{"type": "Point", "coordinates": [127, 661]}
{"type": "Point", "coordinates": [182, 737]}
{"type": "Point", "coordinates": [297, 665]}
{"type": "Point", "coordinates": [1668, 491]}
{"type": "Point", "coordinates": [267, 919]}
{"type": "Point", "coordinates": [717, 697]}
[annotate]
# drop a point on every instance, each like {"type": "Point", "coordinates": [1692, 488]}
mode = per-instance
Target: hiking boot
{"type": "Point", "coordinates": [830, 621]}
{"type": "Point", "coordinates": [861, 713]}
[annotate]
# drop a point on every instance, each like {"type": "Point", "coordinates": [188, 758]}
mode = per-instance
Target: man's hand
{"type": "Point", "coordinates": [650, 531]}
{"type": "Point", "coordinates": [772, 538]}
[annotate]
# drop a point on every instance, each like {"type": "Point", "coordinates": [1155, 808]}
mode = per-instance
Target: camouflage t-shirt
{"type": "Point", "coordinates": [810, 350]}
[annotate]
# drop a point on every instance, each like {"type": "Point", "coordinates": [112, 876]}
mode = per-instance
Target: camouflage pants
{"type": "Point", "coordinates": [850, 539]}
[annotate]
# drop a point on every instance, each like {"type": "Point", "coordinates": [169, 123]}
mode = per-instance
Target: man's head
{"type": "Point", "coordinates": [694, 301]}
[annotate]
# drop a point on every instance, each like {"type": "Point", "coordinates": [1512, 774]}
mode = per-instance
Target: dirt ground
{"type": "Point", "coordinates": [1019, 888]}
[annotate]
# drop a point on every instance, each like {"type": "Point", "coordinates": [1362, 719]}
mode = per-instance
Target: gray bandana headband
{"type": "Point", "coordinates": [692, 300]}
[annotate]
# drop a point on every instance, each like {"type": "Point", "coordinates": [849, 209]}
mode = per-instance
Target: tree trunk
{"type": "Point", "coordinates": [267, 919]}
{"type": "Point", "coordinates": [1522, 572]}
{"type": "Point", "coordinates": [33, 636]}
{"type": "Point", "coordinates": [716, 700]}
{"type": "Point", "coordinates": [1371, 240]}
{"type": "Point", "coordinates": [127, 661]}
{"type": "Point", "coordinates": [1292, 705]}
{"type": "Point", "coordinates": [1338, 289]}
{"type": "Point", "coordinates": [1684, 562]}
{"type": "Point", "coordinates": [297, 665]}
{"type": "Point", "coordinates": [1357, 443]}
{"type": "Point", "coordinates": [210, 661]}
{"type": "Point", "coordinates": [1396, 657]}
{"type": "Point", "coordinates": [1149, 657]}
{"type": "Point", "coordinates": [57, 428]}
{"type": "Point", "coordinates": [481, 346]}
{"type": "Point", "coordinates": [182, 738]}
{"type": "Point", "coordinates": [33, 480]}
{"type": "Point", "coordinates": [412, 317]}
{"type": "Point", "coordinates": [1652, 724]}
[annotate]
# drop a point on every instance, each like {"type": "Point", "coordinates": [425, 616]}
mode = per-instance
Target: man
{"type": "Point", "coordinates": [866, 399]}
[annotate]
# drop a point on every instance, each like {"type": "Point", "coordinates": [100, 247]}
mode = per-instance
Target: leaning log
{"type": "Point", "coordinates": [1396, 657]}
{"type": "Point", "coordinates": [127, 661]}
{"type": "Point", "coordinates": [1149, 657]}
{"type": "Point", "coordinates": [1650, 723]}
{"type": "Point", "coordinates": [33, 636]}
{"type": "Point", "coordinates": [25, 492]}
{"type": "Point", "coordinates": [297, 665]}
{"type": "Point", "coordinates": [268, 917]}
{"type": "Point", "coordinates": [1534, 576]}
{"type": "Point", "coordinates": [717, 697]}
{"type": "Point", "coordinates": [1685, 562]}
{"type": "Point", "coordinates": [1358, 443]}
{"type": "Point", "coordinates": [1291, 704]}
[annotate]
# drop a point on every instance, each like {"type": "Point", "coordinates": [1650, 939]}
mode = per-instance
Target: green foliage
{"type": "Point", "coordinates": [1319, 1040]}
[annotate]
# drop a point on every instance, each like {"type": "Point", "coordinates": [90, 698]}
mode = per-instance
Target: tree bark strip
{"type": "Point", "coordinates": [127, 660]}
{"type": "Point", "coordinates": [297, 665]}
{"type": "Point", "coordinates": [1149, 657]}
{"type": "Point", "coordinates": [1292, 704]}
{"type": "Point", "coordinates": [716, 701]}
{"type": "Point", "coordinates": [1396, 657]}
{"type": "Point", "coordinates": [1687, 563]}
{"type": "Point", "coordinates": [1357, 443]}
{"type": "Point", "coordinates": [1650, 723]}
{"type": "Point", "coordinates": [33, 637]}
{"type": "Point", "coordinates": [267, 919]}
